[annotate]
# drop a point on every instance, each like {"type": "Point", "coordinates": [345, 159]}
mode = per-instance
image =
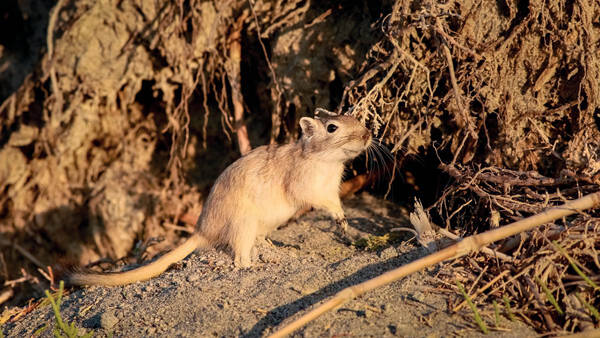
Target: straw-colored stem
{"type": "Point", "coordinates": [485, 287]}
{"type": "Point", "coordinates": [459, 249]}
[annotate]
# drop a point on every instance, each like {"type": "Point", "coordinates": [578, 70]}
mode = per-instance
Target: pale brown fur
{"type": "Point", "coordinates": [263, 190]}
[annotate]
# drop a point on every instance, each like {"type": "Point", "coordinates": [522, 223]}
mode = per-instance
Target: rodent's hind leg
{"type": "Point", "coordinates": [242, 260]}
{"type": "Point", "coordinates": [259, 242]}
{"type": "Point", "coordinates": [243, 257]}
{"type": "Point", "coordinates": [243, 244]}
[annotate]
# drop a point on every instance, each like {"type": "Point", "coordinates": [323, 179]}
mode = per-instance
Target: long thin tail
{"type": "Point", "coordinates": [144, 272]}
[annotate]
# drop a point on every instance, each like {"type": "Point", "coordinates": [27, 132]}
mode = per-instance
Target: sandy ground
{"type": "Point", "coordinates": [206, 295]}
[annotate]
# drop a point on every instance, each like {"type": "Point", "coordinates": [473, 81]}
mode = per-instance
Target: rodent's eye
{"type": "Point", "coordinates": [331, 128]}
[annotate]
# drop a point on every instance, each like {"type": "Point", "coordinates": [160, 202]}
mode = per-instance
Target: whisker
{"type": "Point", "coordinates": [380, 158]}
{"type": "Point", "coordinates": [376, 160]}
{"type": "Point", "coordinates": [373, 162]}
{"type": "Point", "coordinates": [384, 150]}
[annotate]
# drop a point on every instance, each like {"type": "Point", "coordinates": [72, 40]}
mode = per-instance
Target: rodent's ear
{"type": "Point", "coordinates": [321, 111]}
{"type": "Point", "coordinates": [308, 126]}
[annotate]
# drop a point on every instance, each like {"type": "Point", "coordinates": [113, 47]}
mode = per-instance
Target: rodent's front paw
{"type": "Point", "coordinates": [342, 223]}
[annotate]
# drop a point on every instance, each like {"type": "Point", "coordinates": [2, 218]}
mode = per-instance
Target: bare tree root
{"type": "Point", "coordinates": [462, 248]}
{"type": "Point", "coordinates": [6, 295]}
{"type": "Point", "coordinates": [233, 72]}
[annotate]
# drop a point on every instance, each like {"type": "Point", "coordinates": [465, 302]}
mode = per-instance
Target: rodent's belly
{"type": "Point", "coordinates": [274, 216]}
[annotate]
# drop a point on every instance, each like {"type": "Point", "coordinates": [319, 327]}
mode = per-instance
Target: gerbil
{"type": "Point", "coordinates": [261, 191]}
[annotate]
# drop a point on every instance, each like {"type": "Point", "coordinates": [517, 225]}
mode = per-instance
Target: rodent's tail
{"type": "Point", "coordinates": [144, 272]}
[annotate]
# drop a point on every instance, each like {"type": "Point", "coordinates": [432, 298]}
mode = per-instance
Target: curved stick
{"type": "Point", "coordinates": [459, 249]}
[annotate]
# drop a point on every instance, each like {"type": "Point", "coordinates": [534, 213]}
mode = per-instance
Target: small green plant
{"type": "Point", "coordinates": [39, 331]}
{"type": "Point", "coordinates": [478, 319]}
{"type": "Point", "coordinates": [589, 306]}
{"type": "Point", "coordinates": [374, 243]}
{"type": "Point", "coordinates": [63, 329]}
{"type": "Point", "coordinates": [508, 310]}
{"type": "Point", "coordinates": [549, 295]}
{"type": "Point", "coordinates": [572, 261]}
{"type": "Point", "coordinates": [496, 313]}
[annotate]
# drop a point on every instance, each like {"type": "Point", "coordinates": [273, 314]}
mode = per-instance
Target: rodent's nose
{"type": "Point", "coordinates": [366, 136]}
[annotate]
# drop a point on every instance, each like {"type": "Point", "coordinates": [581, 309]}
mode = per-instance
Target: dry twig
{"type": "Point", "coordinates": [6, 295]}
{"type": "Point", "coordinates": [460, 249]}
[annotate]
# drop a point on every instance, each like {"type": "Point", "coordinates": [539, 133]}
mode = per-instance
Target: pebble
{"type": "Point", "coordinates": [193, 277]}
{"type": "Point", "coordinates": [389, 252]}
{"type": "Point", "coordinates": [108, 320]}
{"type": "Point", "coordinates": [419, 296]}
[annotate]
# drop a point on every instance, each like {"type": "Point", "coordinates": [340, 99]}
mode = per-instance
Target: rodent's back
{"type": "Point", "coordinates": [253, 187]}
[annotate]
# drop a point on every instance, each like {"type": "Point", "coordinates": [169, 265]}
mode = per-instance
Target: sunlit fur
{"type": "Point", "coordinates": [263, 190]}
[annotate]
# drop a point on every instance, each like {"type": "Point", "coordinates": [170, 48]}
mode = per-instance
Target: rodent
{"type": "Point", "coordinates": [262, 190]}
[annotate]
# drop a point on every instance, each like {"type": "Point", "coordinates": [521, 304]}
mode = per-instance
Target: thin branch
{"type": "Point", "coordinates": [457, 93]}
{"type": "Point", "coordinates": [485, 249]}
{"type": "Point", "coordinates": [457, 250]}
{"type": "Point", "coordinates": [264, 49]}
{"type": "Point", "coordinates": [235, 81]}
{"type": "Point", "coordinates": [58, 96]}
{"type": "Point", "coordinates": [481, 290]}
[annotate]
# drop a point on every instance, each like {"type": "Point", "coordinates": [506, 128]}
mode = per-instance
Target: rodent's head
{"type": "Point", "coordinates": [334, 137]}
